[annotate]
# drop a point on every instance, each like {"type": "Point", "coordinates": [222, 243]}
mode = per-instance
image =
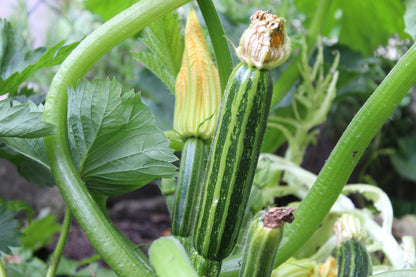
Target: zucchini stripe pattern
{"type": "Point", "coordinates": [353, 259]}
{"type": "Point", "coordinates": [192, 161]}
{"type": "Point", "coordinates": [233, 160]}
{"type": "Point", "coordinates": [263, 240]}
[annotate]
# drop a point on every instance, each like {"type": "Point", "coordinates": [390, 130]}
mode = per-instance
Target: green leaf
{"type": "Point", "coordinates": [108, 8]}
{"type": "Point", "coordinates": [165, 45]}
{"type": "Point", "coordinates": [35, 173]}
{"type": "Point", "coordinates": [410, 17]}
{"type": "Point", "coordinates": [31, 148]}
{"type": "Point", "coordinates": [23, 120]}
{"type": "Point", "coordinates": [18, 61]}
{"type": "Point", "coordinates": [71, 268]}
{"type": "Point", "coordinates": [404, 161]}
{"type": "Point", "coordinates": [114, 138]}
{"type": "Point", "coordinates": [29, 265]}
{"type": "Point", "coordinates": [9, 230]}
{"type": "Point", "coordinates": [34, 268]}
{"type": "Point", "coordinates": [31, 161]}
{"type": "Point", "coordinates": [19, 205]}
{"type": "Point", "coordinates": [368, 24]}
{"type": "Point", "coordinates": [21, 129]}
{"type": "Point", "coordinates": [40, 232]}
{"type": "Point", "coordinates": [361, 25]}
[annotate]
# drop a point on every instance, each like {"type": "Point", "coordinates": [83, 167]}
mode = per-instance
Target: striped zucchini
{"type": "Point", "coordinates": [237, 140]}
{"type": "Point", "coordinates": [233, 160]}
{"type": "Point", "coordinates": [192, 161]}
{"type": "Point", "coordinates": [263, 240]}
{"type": "Point", "coordinates": [353, 259]}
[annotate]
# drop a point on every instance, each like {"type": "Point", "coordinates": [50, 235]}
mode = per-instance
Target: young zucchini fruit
{"type": "Point", "coordinates": [353, 259]}
{"type": "Point", "coordinates": [233, 160]}
{"type": "Point", "coordinates": [187, 186]}
{"type": "Point", "coordinates": [238, 136]}
{"type": "Point", "coordinates": [263, 240]}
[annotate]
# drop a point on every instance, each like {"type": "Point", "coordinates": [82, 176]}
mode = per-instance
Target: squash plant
{"type": "Point", "coordinates": [98, 140]}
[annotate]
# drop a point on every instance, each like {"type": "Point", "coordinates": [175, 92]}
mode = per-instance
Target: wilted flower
{"type": "Point", "coordinates": [265, 43]}
{"type": "Point", "coordinates": [197, 92]}
{"type": "Point", "coordinates": [347, 227]}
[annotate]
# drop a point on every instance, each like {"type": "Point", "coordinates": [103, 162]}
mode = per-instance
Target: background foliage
{"type": "Point", "coordinates": [367, 54]}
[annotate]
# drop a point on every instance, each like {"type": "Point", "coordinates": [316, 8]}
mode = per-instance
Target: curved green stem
{"type": "Point", "coordinates": [346, 155]}
{"type": "Point", "coordinates": [218, 40]}
{"type": "Point", "coordinates": [57, 254]}
{"type": "Point", "coordinates": [116, 250]}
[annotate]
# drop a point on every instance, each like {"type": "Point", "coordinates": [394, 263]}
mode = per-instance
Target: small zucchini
{"type": "Point", "coordinates": [263, 240]}
{"type": "Point", "coordinates": [187, 187]}
{"type": "Point", "coordinates": [353, 259]}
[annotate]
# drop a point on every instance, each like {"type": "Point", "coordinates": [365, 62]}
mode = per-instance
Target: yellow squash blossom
{"type": "Point", "coordinates": [197, 92]}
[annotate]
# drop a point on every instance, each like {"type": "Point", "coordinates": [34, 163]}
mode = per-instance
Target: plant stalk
{"type": "Point", "coordinates": [218, 40]}
{"type": "Point", "coordinates": [57, 254]}
{"type": "Point", "coordinates": [116, 250]}
{"type": "Point", "coordinates": [346, 154]}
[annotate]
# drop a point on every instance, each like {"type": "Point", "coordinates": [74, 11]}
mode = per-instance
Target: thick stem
{"type": "Point", "coordinates": [57, 254]}
{"type": "Point", "coordinates": [218, 40]}
{"type": "Point", "coordinates": [115, 249]}
{"type": "Point", "coordinates": [347, 153]}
